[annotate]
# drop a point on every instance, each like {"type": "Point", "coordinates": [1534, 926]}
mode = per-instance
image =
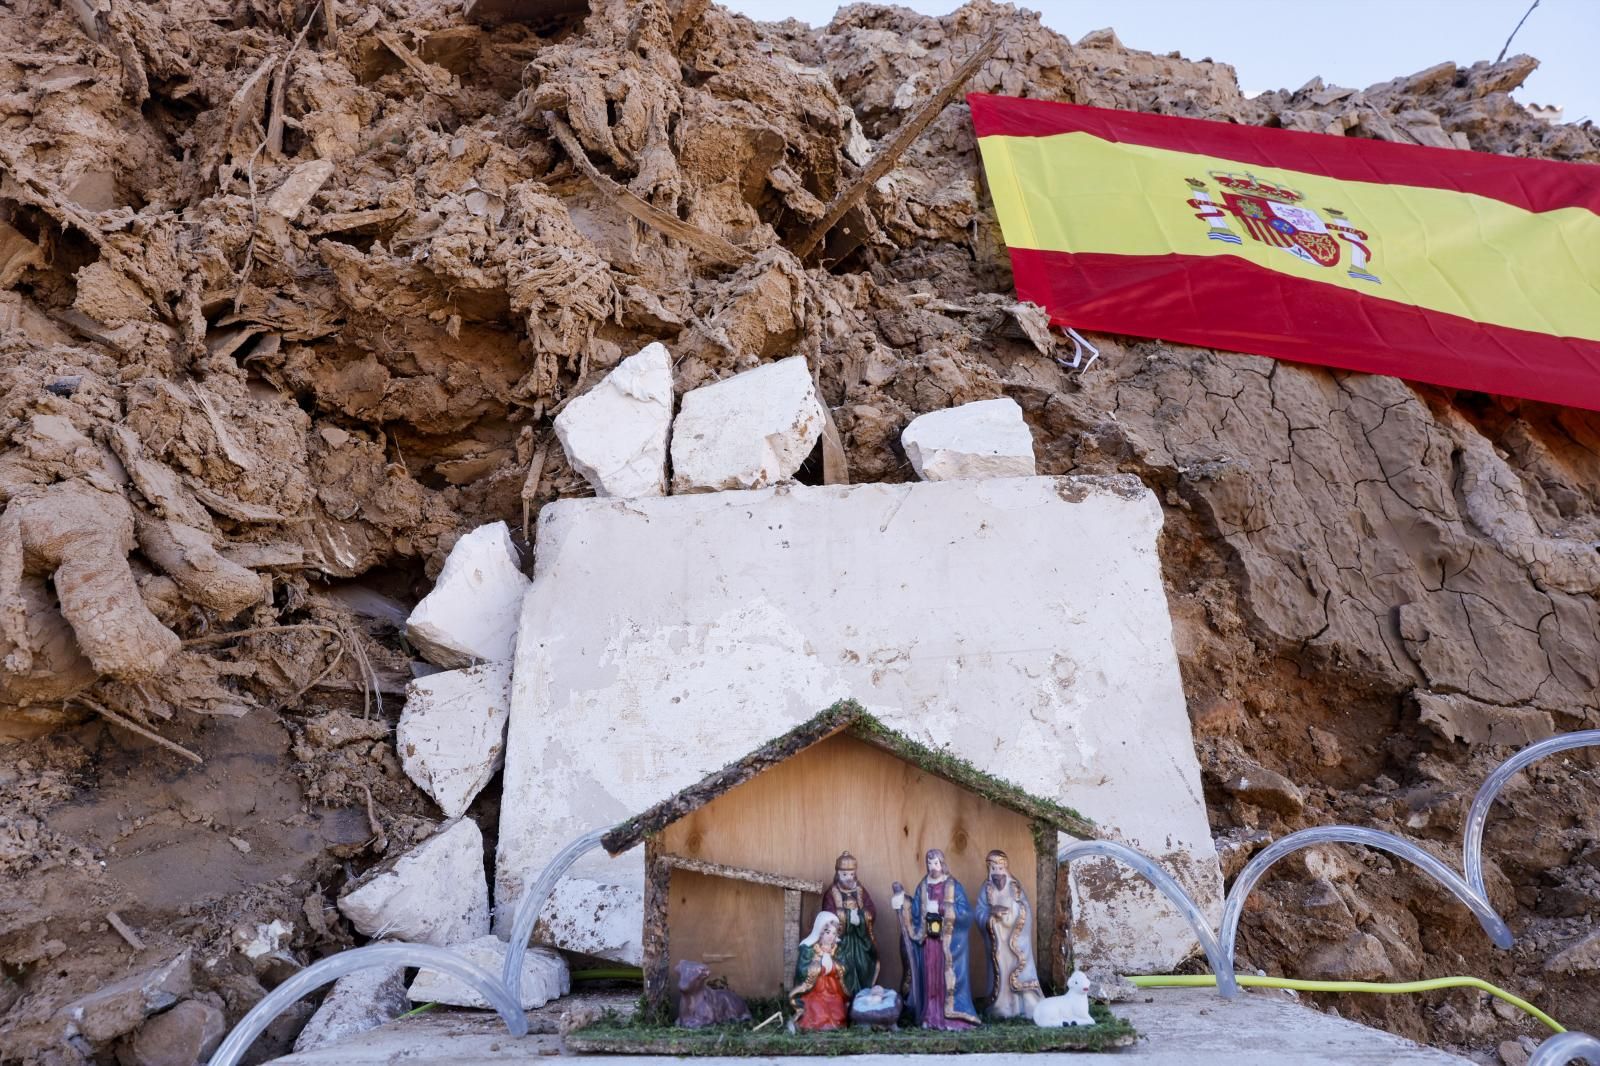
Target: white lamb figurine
{"type": "Point", "coordinates": [1070, 1009]}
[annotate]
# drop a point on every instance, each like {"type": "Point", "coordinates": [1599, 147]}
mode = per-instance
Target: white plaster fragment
{"type": "Point", "coordinates": [357, 1002]}
{"type": "Point", "coordinates": [748, 431]}
{"type": "Point", "coordinates": [544, 976]}
{"type": "Point", "coordinates": [1020, 622]}
{"type": "Point", "coordinates": [451, 735]}
{"type": "Point", "coordinates": [433, 894]}
{"type": "Point", "coordinates": [304, 182]}
{"type": "Point", "coordinates": [615, 434]}
{"type": "Point", "coordinates": [975, 440]}
{"type": "Point", "coordinates": [471, 614]}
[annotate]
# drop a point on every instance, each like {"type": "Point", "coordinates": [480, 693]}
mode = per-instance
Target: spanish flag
{"type": "Point", "coordinates": [1456, 268]}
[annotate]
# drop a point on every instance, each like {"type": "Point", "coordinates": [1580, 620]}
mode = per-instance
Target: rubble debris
{"type": "Point", "coordinates": [1582, 958]}
{"type": "Point", "coordinates": [435, 893]}
{"type": "Point", "coordinates": [544, 976]}
{"type": "Point", "coordinates": [181, 1036]}
{"type": "Point", "coordinates": [615, 434]}
{"type": "Point", "coordinates": [471, 614]}
{"type": "Point", "coordinates": [334, 398]}
{"type": "Point", "coordinates": [120, 1007]}
{"type": "Point", "coordinates": [1461, 718]}
{"type": "Point", "coordinates": [451, 735]}
{"type": "Point", "coordinates": [747, 431]}
{"type": "Point", "coordinates": [1266, 788]}
{"type": "Point", "coordinates": [357, 1002]}
{"type": "Point", "coordinates": [986, 438]}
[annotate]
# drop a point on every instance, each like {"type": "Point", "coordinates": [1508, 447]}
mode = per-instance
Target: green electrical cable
{"type": "Point", "coordinates": [1207, 980]}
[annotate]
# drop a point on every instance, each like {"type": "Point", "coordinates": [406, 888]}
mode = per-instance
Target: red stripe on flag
{"type": "Point", "coordinates": [1533, 184]}
{"type": "Point", "coordinates": [1226, 302]}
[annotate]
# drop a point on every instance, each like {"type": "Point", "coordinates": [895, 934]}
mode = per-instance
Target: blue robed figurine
{"type": "Point", "coordinates": [937, 922]}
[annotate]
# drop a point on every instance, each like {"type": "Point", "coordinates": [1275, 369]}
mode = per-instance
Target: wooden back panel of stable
{"type": "Point", "coordinates": [839, 795]}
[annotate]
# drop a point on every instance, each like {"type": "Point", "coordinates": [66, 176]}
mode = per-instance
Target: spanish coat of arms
{"type": "Point", "coordinates": [1274, 214]}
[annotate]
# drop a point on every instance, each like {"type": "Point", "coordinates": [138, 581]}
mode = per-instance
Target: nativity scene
{"type": "Point", "coordinates": [732, 885]}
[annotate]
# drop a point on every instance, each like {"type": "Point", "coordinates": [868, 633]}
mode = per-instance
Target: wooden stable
{"type": "Point", "coordinates": [735, 865]}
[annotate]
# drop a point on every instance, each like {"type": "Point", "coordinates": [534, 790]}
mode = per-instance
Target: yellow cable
{"type": "Point", "coordinates": [1207, 980]}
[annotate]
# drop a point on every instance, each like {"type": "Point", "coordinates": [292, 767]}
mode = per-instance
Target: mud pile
{"type": "Point", "coordinates": [292, 293]}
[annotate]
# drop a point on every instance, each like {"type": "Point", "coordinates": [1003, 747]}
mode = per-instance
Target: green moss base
{"type": "Point", "coordinates": [614, 1035]}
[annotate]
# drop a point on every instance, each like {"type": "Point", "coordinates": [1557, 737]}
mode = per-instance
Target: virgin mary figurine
{"type": "Point", "coordinates": [823, 986]}
{"type": "Point", "coordinates": [936, 921]}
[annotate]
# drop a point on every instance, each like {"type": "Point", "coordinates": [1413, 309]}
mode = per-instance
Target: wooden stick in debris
{"type": "Point", "coordinates": [330, 26]}
{"type": "Point", "coordinates": [708, 244]}
{"type": "Point", "coordinates": [124, 930]}
{"type": "Point", "coordinates": [886, 157]}
{"type": "Point", "coordinates": [530, 485]}
{"type": "Point", "coordinates": [134, 727]}
{"type": "Point", "coordinates": [426, 72]}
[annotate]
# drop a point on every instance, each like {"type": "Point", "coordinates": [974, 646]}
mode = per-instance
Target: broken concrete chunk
{"type": "Point", "coordinates": [357, 1002]}
{"type": "Point", "coordinates": [615, 434]}
{"type": "Point", "coordinates": [544, 976]}
{"type": "Point", "coordinates": [451, 735]}
{"type": "Point", "coordinates": [306, 180]}
{"type": "Point", "coordinates": [983, 439]}
{"type": "Point", "coordinates": [748, 431]}
{"type": "Point", "coordinates": [436, 893]}
{"type": "Point", "coordinates": [119, 1007]}
{"type": "Point", "coordinates": [471, 614]}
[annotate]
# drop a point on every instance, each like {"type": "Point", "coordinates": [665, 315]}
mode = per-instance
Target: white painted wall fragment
{"type": "Point", "coordinates": [987, 438]}
{"type": "Point", "coordinates": [544, 976]}
{"type": "Point", "coordinates": [471, 614]}
{"type": "Point", "coordinates": [748, 431]}
{"type": "Point", "coordinates": [433, 894]}
{"type": "Point", "coordinates": [615, 434]}
{"type": "Point", "coordinates": [451, 735]}
{"type": "Point", "coordinates": [1019, 621]}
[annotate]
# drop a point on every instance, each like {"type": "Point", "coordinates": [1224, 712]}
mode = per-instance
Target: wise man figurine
{"type": "Point", "coordinates": [848, 898]}
{"type": "Point", "coordinates": [1007, 919]}
{"type": "Point", "coordinates": [936, 921]}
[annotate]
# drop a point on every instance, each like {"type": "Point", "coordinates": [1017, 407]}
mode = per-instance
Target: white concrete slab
{"type": "Point", "coordinates": [1182, 1027]}
{"type": "Point", "coordinates": [1020, 622]}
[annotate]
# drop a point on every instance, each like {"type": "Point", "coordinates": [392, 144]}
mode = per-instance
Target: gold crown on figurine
{"type": "Point", "coordinates": [846, 861]}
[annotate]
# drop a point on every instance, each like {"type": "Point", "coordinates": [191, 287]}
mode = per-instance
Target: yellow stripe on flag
{"type": "Point", "coordinates": [1457, 253]}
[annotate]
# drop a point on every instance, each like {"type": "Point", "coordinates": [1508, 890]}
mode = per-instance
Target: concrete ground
{"type": "Point", "coordinates": [1181, 1027]}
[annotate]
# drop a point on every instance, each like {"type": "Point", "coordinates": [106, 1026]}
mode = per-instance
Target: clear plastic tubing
{"type": "Point", "coordinates": [1233, 907]}
{"type": "Point", "coordinates": [1170, 888]}
{"type": "Point", "coordinates": [1564, 1047]}
{"type": "Point", "coordinates": [388, 956]}
{"type": "Point", "coordinates": [1478, 814]}
{"type": "Point", "coordinates": [533, 901]}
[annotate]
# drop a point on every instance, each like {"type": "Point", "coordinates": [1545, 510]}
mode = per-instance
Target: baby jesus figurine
{"type": "Point", "coordinates": [823, 986]}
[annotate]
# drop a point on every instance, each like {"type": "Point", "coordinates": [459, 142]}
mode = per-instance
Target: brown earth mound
{"type": "Point", "coordinates": [291, 294]}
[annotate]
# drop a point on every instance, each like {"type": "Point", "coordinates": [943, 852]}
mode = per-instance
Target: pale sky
{"type": "Point", "coordinates": [1282, 44]}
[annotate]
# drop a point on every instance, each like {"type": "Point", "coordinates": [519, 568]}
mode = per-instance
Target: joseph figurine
{"type": "Point", "coordinates": [848, 898]}
{"type": "Point", "coordinates": [1007, 919]}
{"type": "Point", "coordinates": [936, 919]}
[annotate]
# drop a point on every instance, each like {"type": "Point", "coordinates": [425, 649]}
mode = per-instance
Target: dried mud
{"type": "Point", "coordinates": [289, 302]}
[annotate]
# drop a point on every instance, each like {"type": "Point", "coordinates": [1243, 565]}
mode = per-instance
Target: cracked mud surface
{"type": "Point", "coordinates": [286, 312]}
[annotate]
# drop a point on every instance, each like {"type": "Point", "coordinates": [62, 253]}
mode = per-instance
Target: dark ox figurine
{"type": "Point", "coordinates": [705, 1000]}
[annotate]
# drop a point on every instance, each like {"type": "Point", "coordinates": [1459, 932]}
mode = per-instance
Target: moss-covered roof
{"type": "Point", "coordinates": [847, 716]}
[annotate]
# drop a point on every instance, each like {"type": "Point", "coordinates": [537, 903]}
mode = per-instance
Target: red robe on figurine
{"type": "Point", "coordinates": [821, 993]}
